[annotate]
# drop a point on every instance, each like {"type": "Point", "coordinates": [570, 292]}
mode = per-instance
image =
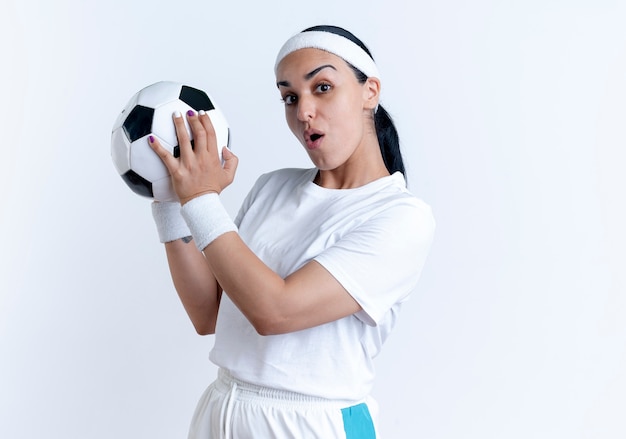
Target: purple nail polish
{"type": "Point", "coordinates": [151, 139]}
{"type": "Point", "coordinates": [190, 113]}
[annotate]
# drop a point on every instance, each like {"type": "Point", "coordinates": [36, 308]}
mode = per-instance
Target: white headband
{"type": "Point", "coordinates": [333, 43]}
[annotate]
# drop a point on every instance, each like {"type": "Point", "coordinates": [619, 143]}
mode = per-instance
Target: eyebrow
{"type": "Point", "coordinates": [308, 76]}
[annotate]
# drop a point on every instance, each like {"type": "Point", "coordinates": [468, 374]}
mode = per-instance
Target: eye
{"type": "Point", "coordinates": [324, 87]}
{"type": "Point", "coordinates": [289, 99]}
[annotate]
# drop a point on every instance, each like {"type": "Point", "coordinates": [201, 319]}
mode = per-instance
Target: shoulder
{"type": "Point", "coordinates": [275, 186]}
{"type": "Point", "coordinates": [284, 177]}
{"type": "Point", "coordinates": [288, 174]}
{"type": "Point", "coordinates": [399, 221]}
{"type": "Point", "coordinates": [392, 201]}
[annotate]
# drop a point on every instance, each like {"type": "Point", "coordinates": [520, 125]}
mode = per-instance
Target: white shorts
{"type": "Point", "coordinates": [230, 408]}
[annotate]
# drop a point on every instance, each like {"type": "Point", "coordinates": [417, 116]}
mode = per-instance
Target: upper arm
{"type": "Point", "coordinates": [195, 284]}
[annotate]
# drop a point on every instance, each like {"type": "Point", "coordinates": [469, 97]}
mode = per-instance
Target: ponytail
{"type": "Point", "coordinates": [386, 132]}
{"type": "Point", "coordinates": [389, 141]}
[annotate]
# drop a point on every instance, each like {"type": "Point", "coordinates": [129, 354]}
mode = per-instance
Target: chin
{"type": "Point", "coordinates": [323, 166]}
{"type": "Point", "coordinates": [322, 163]}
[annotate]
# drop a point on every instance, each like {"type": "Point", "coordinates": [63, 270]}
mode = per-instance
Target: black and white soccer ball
{"type": "Point", "coordinates": [149, 112]}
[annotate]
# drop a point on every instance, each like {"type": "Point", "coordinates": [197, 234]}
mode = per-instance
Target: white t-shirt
{"type": "Point", "coordinates": [373, 239]}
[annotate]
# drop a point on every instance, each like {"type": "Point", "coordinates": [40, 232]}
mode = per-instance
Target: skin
{"type": "Point", "coordinates": [322, 97]}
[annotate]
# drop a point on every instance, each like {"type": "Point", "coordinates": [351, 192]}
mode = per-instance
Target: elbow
{"type": "Point", "coordinates": [269, 326]}
{"type": "Point", "coordinates": [265, 332]}
{"type": "Point", "coordinates": [203, 321]}
{"type": "Point", "coordinates": [264, 329]}
{"type": "Point", "coordinates": [205, 332]}
{"type": "Point", "coordinates": [204, 328]}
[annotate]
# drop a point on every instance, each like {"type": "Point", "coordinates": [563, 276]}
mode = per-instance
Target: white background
{"type": "Point", "coordinates": [512, 118]}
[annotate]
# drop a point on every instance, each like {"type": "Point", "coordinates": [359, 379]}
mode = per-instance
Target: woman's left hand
{"type": "Point", "coordinates": [199, 170]}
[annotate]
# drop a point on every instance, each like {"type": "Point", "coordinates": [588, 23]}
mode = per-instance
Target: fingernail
{"type": "Point", "coordinates": [177, 114]}
{"type": "Point", "coordinates": [201, 113]}
{"type": "Point", "coordinates": [191, 113]}
{"type": "Point", "coordinates": [151, 139]}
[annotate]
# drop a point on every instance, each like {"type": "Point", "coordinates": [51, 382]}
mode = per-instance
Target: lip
{"type": "Point", "coordinates": [313, 138]}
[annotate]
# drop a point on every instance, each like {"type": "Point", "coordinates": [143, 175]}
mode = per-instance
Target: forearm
{"type": "Point", "coordinates": [195, 284]}
{"type": "Point", "coordinates": [273, 305]}
{"type": "Point", "coordinates": [308, 297]}
{"type": "Point", "coordinates": [252, 286]}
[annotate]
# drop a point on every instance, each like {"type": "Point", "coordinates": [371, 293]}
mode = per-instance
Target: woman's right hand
{"type": "Point", "coordinates": [199, 170]}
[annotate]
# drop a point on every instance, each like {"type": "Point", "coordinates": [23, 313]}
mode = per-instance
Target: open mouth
{"type": "Point", "coordinates": [312, 139]}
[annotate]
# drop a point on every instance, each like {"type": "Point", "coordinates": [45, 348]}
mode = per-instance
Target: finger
{"type": "Point", "coordinates": [182, 135]}
{"type": "Point", "coordinates": [198, 131]}
{"type": "Point", "coordinates": [205, 120]}
{"type": "Point", "coordinates": [231, 161]}
{"type": "Point", "coordinates": [168, 159]}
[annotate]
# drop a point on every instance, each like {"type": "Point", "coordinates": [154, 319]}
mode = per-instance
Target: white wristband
{"type": "Point", "coordinates": [207, 219]}
{"type": "Point", "coordinates": [169, 222]}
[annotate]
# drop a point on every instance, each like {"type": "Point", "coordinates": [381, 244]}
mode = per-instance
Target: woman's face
{"type": "Point", "coordinates": [326, 108]}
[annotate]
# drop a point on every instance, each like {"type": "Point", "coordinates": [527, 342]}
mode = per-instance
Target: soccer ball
{"type": "Point", "coordinates": [149, 112]}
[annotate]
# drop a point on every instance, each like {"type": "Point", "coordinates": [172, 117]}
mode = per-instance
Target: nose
{"type": "Point", "coordinates": [306, 109]}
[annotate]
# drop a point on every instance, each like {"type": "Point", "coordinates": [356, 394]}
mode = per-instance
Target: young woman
{"type": "Point", "coordinates": [303, 288]}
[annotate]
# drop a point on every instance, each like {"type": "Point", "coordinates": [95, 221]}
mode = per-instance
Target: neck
{"type": "Point", "coordinates": [331, 180]}
{"type": "Point", "coordinates": [356, 172]}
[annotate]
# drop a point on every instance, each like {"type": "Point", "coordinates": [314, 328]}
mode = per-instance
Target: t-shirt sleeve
{"type": "Point", "coordinates": [247, 202]}
{"type": "Point", "coordinates": [380, 261]}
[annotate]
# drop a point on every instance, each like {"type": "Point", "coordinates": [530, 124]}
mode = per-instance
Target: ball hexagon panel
{"type": "Point", "coordinates": [159, 93]}
{"type": "Point", "coordinates": [120, 150]}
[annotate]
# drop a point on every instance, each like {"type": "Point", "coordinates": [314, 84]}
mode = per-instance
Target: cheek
{"type": "Point", "coordinates": [348, 125]}
{"type": "Point", "coordinates": [290, 119]}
